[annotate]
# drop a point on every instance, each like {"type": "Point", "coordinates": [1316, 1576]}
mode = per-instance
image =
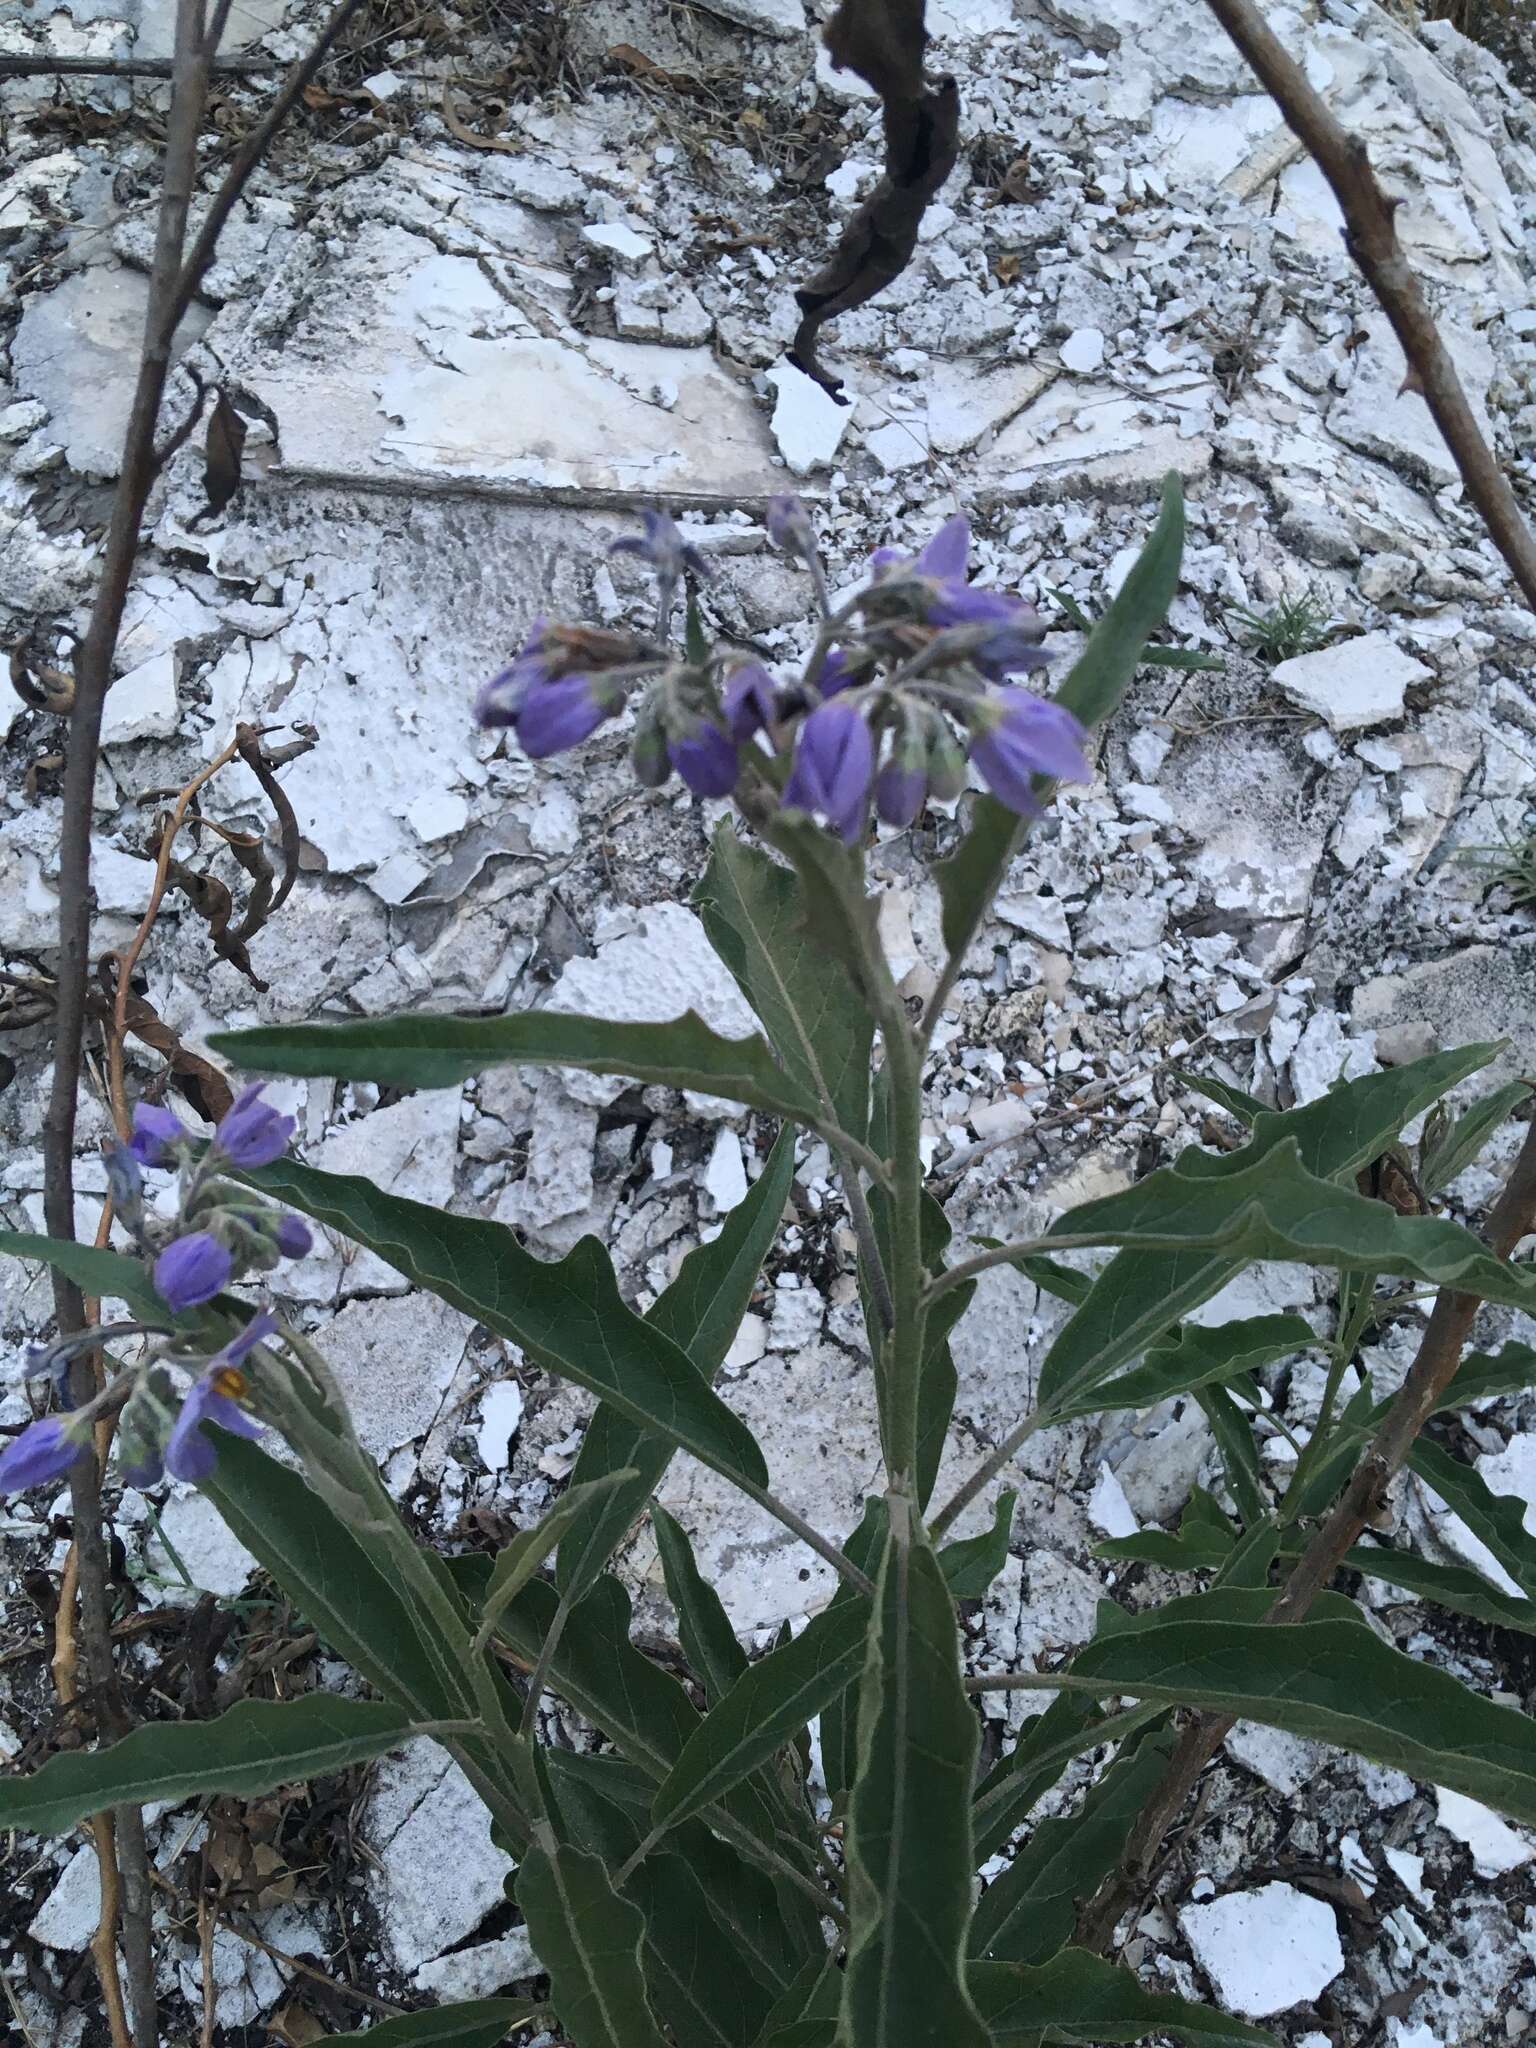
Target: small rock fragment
{"type": "Point", "coordinates": [1265, 1950]}
{"type": "Point", "coordinates": [1356, 684]}
{"type": "Point", "coordinates": [808, 424]}
{"type": "Point", "coordinates": [1495, 1845]}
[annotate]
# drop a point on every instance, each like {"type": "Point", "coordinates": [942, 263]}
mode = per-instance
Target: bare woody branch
{"type": "Point", "coordinates": [124, 67]}
{"type": "Point", "coordinates": [1371, 237]}
{"type": "Point", "coordinates": [175, 276]}
{"type": "Point", "coordinates": [1439, 1354]}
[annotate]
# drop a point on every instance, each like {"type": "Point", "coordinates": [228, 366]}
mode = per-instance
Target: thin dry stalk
{"type": "Point", "coordinates": [1370, 216]}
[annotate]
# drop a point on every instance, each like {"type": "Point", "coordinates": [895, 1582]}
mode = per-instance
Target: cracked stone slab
{"type": "Point", "coordinates": [368, 391]}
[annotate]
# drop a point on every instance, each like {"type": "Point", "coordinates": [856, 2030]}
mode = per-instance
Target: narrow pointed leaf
{"type": "Point", "coordinates": [94, 1270]}
{"type": "Point", "coordinates": [704, 1628]}
{"type": "Point", "coordinates": [754, 912]}
{"type": "Point", "coordinates": [770, 1701]}
{"type": "Point", "coordinates": [839, 1717]}
{"type": "Point", "coordinates": [1097, 682]}
{"type": "Point", "coordinates": [567, 1314]}
{"type": "Point", "coordinates": [1195, 1356]}
{"type": "Point", "coordinates": [909, 1848]}
{"type": "Point", "coordinates": [426, 1051]}
{"type": "Point", "coordinates": [1205, 1539]}
{"type": "Point", "coordinates": [334, 1580]}
{"type": "Point", "coordinates": [1497, 1519]}
{"type": "Point", "coordinates": [1469, 1134]}
{"type": "Point", "coordinates": [1235, 1101]}
{"type": "Point", "coordinates": [700, 1312]}
{"type": "Point", "coordinates": [1239, 1453]}
{"type": "Point", "coordinates": [477, 2023]}
{"type": "Point", "coordinates": [971, 1564]}
{"type": "Point", "coordinates": [811, 2000]}
{"type": "Point", "coordinates": [1276, 1209]}
{"type": "Point", "coordinates": [1140, 1294]}
{"type": "Point", "coordinates": [1069, 1727]}
{"type": "Point", "coordinates": [520, 1559]}
{"type": "Point", "coordinates": [255, 1747]}
{"type": "Point", "coordinates": [1331, 1680]}
{"type": "Point", "coordinates": [1028, 1912]}
{"type": "Point", "coordinates": [1077, 1997]}
{"type": "Point", "coordinates": [1453, 1586]}
{"type": "Point", "coordinates": [1482, 1375]}
{"type": "Point", "coordinates": [588, 1938]}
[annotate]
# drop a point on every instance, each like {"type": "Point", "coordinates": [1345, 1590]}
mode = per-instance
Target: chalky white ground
{"type": "Point", "coordinates": [479, 364]}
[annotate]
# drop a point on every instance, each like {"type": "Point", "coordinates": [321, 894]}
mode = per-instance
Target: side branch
{"type": "Point", "coordinates": [1371, 237]}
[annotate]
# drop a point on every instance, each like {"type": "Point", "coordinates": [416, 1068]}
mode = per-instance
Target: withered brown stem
{"type": "Point", "coordinates": [1370, 216]}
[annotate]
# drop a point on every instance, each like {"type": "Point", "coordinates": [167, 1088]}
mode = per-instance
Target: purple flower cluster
{"type": "Point", "coordinates": [886, 716]}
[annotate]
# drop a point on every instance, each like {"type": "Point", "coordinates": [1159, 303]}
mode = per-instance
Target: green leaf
{"type": "Point", "coordinates": [1070, 1726]}
{"type": "Point", "coordinates": [1274, 1208]}
{"type": "Point", "coordinates": [1140, 1294]}
{"type": "Point", "coordinates": [754, 912]}
{"type": "Point", "coordinates": [717, 1952]}
{"type": "Point", "coordinates": [1236, 1101]}
{"type": "Point", "coordinates": [970, 1566]}
{"type": "Point", "coordinates": [1196, 1355]}
{"type": "Point", "coordinates": [709, 1642]}
{"type": "Point", "coordinates": [1483, 1374]}
{"type": "Point", "coordinates": [94, 1270]}
{"type": "Point", "coordinates": [1027, 1913]}
{"type": "Point", "coordinates": [1497, 1519]}
{"type": "Point", "coordinates": [335, 1581]}
{"type": "Point", "coordinates": [768, 1703]}
{"type": "Point", "coordinates": [839, 1717]}
{"type": "Point", "coordinates": [1331, 1680]}
{"type": "Point", "coordinates": [1252, 1559]}
{"type": "Point", "coordinates": [910, 1858]}
{"type": "Point", "coordinates": [1051, 1276]}
{"type": "Point", "coordinates": [700, 1312]}
{"type": "Point", "coordinates": [1239, 1453]}
{"type": "Point", "coordinates": [969, 876]}
{"type": "Point", "coordinates": [1078, 1997]}
{"type": "Point", "coordinates": [1454, 1586]}
{"type": "Point", "coordinates": [1205, 1539]}
{"type": "Point", "coordinates": [255, 1747]}
{"type": "Point", "coordinates": [588, 1938]}
{"type": "Point", "coordinates": [1115, 646]}
{"type": "Point", "coordinates": [811, 2000]}
{"type": "Point", "coordinates": [438, 1051]}
{"type": "Point", "coordinates": [1471, 1131]}
{"type": "Point", "coordinates": [478, 2023]}
{"type": "Point", "coordinates": [567, 1314]}
{"type": "Point", "coordinates": [517, 1563]}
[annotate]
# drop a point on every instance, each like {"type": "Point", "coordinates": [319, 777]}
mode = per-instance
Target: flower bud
{"type": "Point", "coordinates": [192, 1270]}
{"type": "Point", "coordinates": [252, 1132]}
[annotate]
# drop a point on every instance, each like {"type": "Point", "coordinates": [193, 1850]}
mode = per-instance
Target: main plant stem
{"type": "Point", "coordinates": [904, 1340]}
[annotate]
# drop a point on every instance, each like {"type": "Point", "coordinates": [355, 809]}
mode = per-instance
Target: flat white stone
{"type": "Point", "coordinates": [215, 1558]}
{"type": "Point", "coordinates": [1356, 684]}
{"type": "Point", "coordinates": [626, 245]}
{"type": "Point", "coordinates": [725, 1177]}
{"type": "Point", "coordinates": [1495, 1845]}
{"type": "Point", "coordinates": [808, 424]}
{"type": "Point", "coordinates": [772, 17]}
{"type": "Point", "coordinates": [1108, 1509]}
{"type": "Point", "coordinates": [480, 1970]}
{"type": "Point", "coordinates": [1083, 351]}
{"type": "Point", "coordinates": [501, 1410]}
{"type": "Point", "coordinates": [899, 444]}
{"type": "Point", "coordinates": [1265, 1950]}
{"type": "Point", "coordinates": [432, 1835]}
{"type": "Point", "coordinates": [141, 705]}
{"type": "Point", "coordinates": [68, 1916]}
{"type": "Point", "coordinates": [1376, 416]}
{"type": "Point", "coordinates": [1284, 1761]}
{"type": "Point", "coordinates": [649, 976]}
{"type": "Point", "coordinates": [394, 1359]}
{"type": "Point", "coordinates": [439, 814]}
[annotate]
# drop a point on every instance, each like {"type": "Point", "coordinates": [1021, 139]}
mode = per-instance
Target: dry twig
{"type": "Point", "coordinates": [1371, 236]}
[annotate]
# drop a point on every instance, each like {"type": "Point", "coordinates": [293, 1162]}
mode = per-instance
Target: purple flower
{"type": "Point", "coordinates": [833, 766]}
{"type": "Point", "coordinates": [192, 1270]}
{"type": "Point", "coordinates": [292, 1237]}
{"type": "Point", "coordinates": [705, 757]}
{"type": "Point", "coordinates": [190, 1452]}
{"type": "Point", "coordinates": [501, 698]}
{"type": "Point", "coordinates": [1019, 736]}
{"type": "Point", "coordinates": [899, 792]}
{"type": "Point", "coordinates": [252, 1132]}
{"type": "Point", "coordinates": [663, 546]}
{"type": "Point", "coordinates": [790, 528]}
{"type": "Point", "coordinates": [154, 1131]}
{"type": "Point", "coordinates": [125, 1184]}
{"type": "Point", "coordinates": [943, 557]}
{"type": "Point", "coordinates": [750, 700]}
{"type": "Point", "coordinates": [1014, 629]}
{"type": "Point", "coordinates": [42, 1451]}
{"type": "Point", "coordinates": [560, 713]}
{"type": "Point", "coordinates": [147, 1470]}
{"type": "Point", "coordinates": [261, 1326]}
